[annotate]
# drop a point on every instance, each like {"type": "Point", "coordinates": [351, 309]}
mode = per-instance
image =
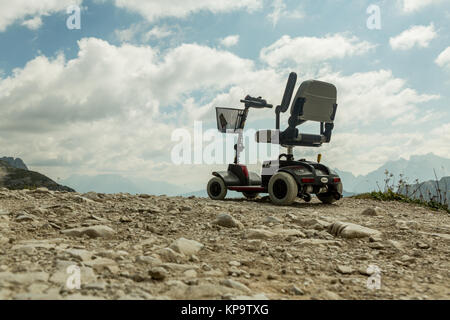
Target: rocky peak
{"type": "Point", "coordinates": [15, 162]}
{"type": "Point", "coordinates": [17, 179]}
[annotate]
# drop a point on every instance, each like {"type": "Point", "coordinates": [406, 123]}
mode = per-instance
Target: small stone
{"type": "Point", "coordinates": [344, 269]}
{"type": "Point", "coordinates": [227, 221]}
{"type": "Point", "coordinates": [169, 255]}
{"type": "Point", "coordinates": [271, 276]}
{"type": "Point", "coordinates": [158, 273]}
{"type": "Point", "coordinates": [190, 273]}
{"type": "Point", "coordinates": [186, 247]}
{"type": "Point", "coordinates": [273, 220]}
{"type": "Point", "coordinates": [148, 260]}
{"type": "Point", "coordinates": [125, 219]}
{"type": "Point", "coordinates": [234, 263]}
{"type": "Point", "coordinates": [259, 234]}
{"type": "Point", "coordinates": [372, 212]}
{"type": "Point", "coordinates": [376, 245]}
{"type": "Point", "coordinates": [3, 240]}
{"type": "Point", "coordinates": [79, 254]}
{"type": "Point", "coordinates": [290, 233]}
{"type": "Point", "coordinates": [407, 259]}
{"type": "Point", "coordinates": [396, 244]}
{"type": "Point", "coordinates": [23, 216]}
{"type": "Point", "coordinates": [329, 295]}
{"type": "Point", "coordinates": [422, 245]}
{"type": "Point", "coordinates": [99, 231]}
{"type": "Point", "coordinates": [100, 286]}
{"type": "Point", "coordinates": [102, 264]}
{"type": "Point", "coordinates": [297, 291]}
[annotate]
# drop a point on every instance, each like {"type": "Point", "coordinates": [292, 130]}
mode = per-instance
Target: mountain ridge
{"type": "Point", "coordinates": [420, 167]}
{"type": "Point", "coordinates": [16, 179]}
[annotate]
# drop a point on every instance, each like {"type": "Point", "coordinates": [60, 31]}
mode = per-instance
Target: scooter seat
{"type": "Point", "coordinates": [301, 139]}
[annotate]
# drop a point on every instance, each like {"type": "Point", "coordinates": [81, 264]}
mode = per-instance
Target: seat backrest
{"type": "Point", "coordinates": [288, 92]}
{"type": "Point", "coordinates": [320, 101]}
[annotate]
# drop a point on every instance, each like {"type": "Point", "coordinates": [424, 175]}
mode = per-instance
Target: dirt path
{"type": "Point", "coordinates": [147, 247]}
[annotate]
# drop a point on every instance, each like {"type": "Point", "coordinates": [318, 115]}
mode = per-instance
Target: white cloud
{"type": "Point", "coordinates": [139, 32]}
{"type": "Point", "coordinates": [154, 9]}
{"type": "Point", "coordinates": [280, 12]}
{"type": "Point", "coordinates": [157, 33]}
{"type": "Point", "coordinates": [409, 6]}
{"type": "Point", "coordinates": [376, 96]}
{"type": "Point", "coordinates": [113, 108]}
{"type": "Point", "coordinates": [304, 50]}
{"type": "Point", "coordinates": [30, 12]}
{"type": "Point", "coordinates": [443, 60]}
{"type": "Point", "coordinates": [110, 108]}
{"type": "Point", "coordinates": [230, 41]}
{"type": "Point", "coordinates": [33, 24]}
{"type": "Point", "coordinates": [420, 36]}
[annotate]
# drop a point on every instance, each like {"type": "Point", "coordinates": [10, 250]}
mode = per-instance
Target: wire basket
{"type": "Point", "coordinates": [230, 120]}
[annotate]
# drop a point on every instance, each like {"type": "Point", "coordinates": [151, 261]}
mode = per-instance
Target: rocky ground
{"type": "Point", "coordinates": [148, 247]}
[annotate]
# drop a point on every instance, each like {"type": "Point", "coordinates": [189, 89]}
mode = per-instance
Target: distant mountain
{"type": "Point", "coordinates": [114, 183]}
{"type": "Point", "coordinates": [417, 167]}
{"type": "Point", "coordinates": [14, 162]}
{"type": "Point", "coordinates": [17, 179]}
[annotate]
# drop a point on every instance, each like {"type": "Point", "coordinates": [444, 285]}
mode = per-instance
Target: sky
{"type": "Point", "coordinates": [107, 98]}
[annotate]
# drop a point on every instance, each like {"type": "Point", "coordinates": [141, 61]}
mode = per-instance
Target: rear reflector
{"type": "Point", "coordinates": [336, 180]}
{"type": "Point", "coordinates": [307, 180]}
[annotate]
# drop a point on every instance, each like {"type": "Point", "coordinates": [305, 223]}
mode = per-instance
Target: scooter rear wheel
{"type": "Point", "coordinates": [283, 189]}
{"type": "Point", "coordinates": [216, 189]}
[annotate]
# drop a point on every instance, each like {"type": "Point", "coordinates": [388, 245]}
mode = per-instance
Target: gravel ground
{"type": "Point", "coordinates": [154, 247]}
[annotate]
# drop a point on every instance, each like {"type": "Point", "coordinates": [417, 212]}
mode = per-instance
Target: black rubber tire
{"type": "Point", "coordinates": [216, 189]}
{"type": "Point", "coordinates": [283, 189]}
{"type": "Point", "coordinates": [327, 198]}
{"type": "Point", "coordinates": [250, 195]}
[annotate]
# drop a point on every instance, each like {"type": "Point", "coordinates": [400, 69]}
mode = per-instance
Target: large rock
{"type": "Point", "coordinates": [158, 273]}
{"type": "Point", "coordinates": [80, 254]}
{"type": "Point", "coordinates": [227, 221]}
{"type": "Point", "coordinates": [186, 246]}
{"type": "Point", "coordinates": [236, 285]}
{"type": "Point", "coordinates": [350, 230]}
{"type": "Point", "coordinates": [101, 265]}
{"type": "Point", "coordinates": [259, 234]}
{"type": "Point", "coordinates": [23, 278]}
{"type": "Point", "coordinates": [92, 232]}
{"type": "Point", "coordinates": [169, 255]}
{"type": "Point", "coordinates": [289, 232]}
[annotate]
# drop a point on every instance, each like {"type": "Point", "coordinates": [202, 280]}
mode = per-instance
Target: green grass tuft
{"type": "Point", "coordinates": [390, 195]}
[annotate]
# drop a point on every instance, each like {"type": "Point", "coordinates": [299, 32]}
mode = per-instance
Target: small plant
{"type": "Point", "coordinates": [401, 192]}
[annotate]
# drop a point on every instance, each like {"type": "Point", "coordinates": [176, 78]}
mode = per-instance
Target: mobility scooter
{"type": "Point", "coordinates": [284, 179]}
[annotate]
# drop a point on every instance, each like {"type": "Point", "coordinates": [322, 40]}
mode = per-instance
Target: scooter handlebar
{"type": "Point", "coordinates": [259, 103]}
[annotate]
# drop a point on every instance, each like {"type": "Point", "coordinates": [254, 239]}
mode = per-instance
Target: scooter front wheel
{"type": "Point", "coordinates": [216, 189]}
{"type": "Point", "coordinates": [283, 189]}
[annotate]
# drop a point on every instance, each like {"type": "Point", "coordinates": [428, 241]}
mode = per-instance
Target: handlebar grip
{"type": "Point", "coordinates": [257, 104]}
